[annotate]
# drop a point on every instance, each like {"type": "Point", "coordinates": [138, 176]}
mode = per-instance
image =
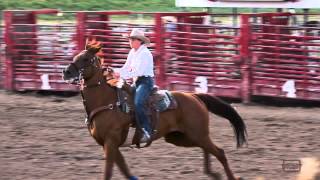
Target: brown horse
{"type": "Point", "coordinates": [187, 125]}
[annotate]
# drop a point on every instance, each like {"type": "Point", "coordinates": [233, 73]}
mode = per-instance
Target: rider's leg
{"type": "Point", "coordinates": [143, 90]}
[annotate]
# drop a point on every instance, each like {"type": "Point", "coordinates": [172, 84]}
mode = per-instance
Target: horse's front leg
{"type": "Point", "coordinates": [110, 151]}
{"type": "Point", "coordinates": [120, 161]}
{"type": "Point", "coordinates": [113, 155]}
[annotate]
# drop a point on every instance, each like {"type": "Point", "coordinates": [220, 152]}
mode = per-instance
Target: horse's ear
{"type": "Point", "coordinates": [93, 46]}
{"type": "Point", "coordinates": [90, 43]}
{"type": "Point", "coordinates": [87, 44]}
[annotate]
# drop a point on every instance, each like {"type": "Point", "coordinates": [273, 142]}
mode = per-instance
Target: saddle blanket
{"type": "Point", "coordinates": [162, 100]}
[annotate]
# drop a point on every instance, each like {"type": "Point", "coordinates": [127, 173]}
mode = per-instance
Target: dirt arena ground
{"type": "Point", "coordinates": [44, 137]}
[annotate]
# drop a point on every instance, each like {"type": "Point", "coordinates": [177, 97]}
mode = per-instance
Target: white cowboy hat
{"type": "Point", "coordinates": [169, 18]}
{"type": "Point", "coordinates": [139, 34]}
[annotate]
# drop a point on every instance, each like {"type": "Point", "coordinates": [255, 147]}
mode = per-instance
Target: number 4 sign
{"type": "Point", "coordinates": [289, 88]}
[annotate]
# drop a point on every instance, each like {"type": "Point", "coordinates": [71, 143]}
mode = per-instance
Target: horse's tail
{"type": "Point", "coordinates": [223, 109]}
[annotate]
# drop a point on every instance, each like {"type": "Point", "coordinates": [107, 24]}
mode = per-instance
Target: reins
{"type": "Point", "coordinates": [99, 83]}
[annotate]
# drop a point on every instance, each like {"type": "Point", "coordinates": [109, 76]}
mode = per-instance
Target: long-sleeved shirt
{"type": "Point", "coordinates": [139, 63]}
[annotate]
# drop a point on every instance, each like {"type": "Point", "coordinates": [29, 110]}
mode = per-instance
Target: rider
{"type": "Point", "coordinates": [139, 66]}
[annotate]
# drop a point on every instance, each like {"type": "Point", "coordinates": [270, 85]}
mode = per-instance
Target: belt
{"type": "Point", "coordinates": [141, 77]}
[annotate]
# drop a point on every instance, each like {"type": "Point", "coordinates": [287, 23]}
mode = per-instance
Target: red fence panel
{"type": "Point", "coordinates": [285, 58]}
{"type": "Point", "coordinates": [202, 58]}
{"type": "Point", "coordinates": [36, 53]}
{"type": "Point", "coordinates": [269, 54]}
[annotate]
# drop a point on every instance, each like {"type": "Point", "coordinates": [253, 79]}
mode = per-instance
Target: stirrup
{"type": "Point", "coordinates": [146, 139]}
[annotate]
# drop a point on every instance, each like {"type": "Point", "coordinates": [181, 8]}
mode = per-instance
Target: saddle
{"type": "Point", "coordinates": [158, 101]}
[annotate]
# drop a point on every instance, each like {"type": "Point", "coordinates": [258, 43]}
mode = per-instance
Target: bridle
{"type": "Point", "coordinates": [94, 62]}
{"type": "Point", "coordinates": [76, 81]}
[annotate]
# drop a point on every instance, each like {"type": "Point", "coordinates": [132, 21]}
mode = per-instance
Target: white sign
{"type": "Point", "coordinates": [298, 4]}
{"type": "Point", "coordinates": [290, 88]}
{"type": "Point", "coordinates": [202, 83]}
{"type": "Point", "coordinates": [45, 82]}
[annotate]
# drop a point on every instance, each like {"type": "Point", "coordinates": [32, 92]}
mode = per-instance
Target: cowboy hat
{"type": "Point", "coordinates": [139, 34]}
{"type": "Point", "coordinates": [169, 19]}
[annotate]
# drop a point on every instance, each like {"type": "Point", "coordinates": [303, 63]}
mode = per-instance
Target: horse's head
{"type": "Point", "coordinates": [84, 64]}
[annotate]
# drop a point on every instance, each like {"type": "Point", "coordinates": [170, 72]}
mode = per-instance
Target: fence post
{"type": "Point", "coordinates": [8, 74]}
{"type": "Point", "coordinates": [2, 52]}
{"type": "Point", "coordinates": [246, 84]}
{"type": "Point", "coordinates": [159, 52]}
{"type": "Point", "coordinates": [80, 36]}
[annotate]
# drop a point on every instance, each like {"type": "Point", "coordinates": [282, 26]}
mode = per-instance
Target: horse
{"type": "Point", "coordinates": [185, 126]}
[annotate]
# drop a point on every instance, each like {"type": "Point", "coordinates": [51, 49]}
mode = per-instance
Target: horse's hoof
{"type": "Point", "coordinates": [215, 176]}
{"type": "Point", "coordinates": [133, 178]}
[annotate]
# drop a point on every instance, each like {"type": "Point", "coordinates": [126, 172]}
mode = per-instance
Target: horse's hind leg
{"type": "Point", "coordinates": [208, 146]}
{"type": "Point", "coordinates": [207, 166]}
